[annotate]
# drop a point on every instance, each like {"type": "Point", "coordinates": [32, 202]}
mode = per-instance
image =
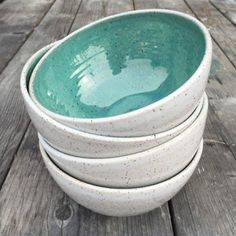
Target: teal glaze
{"type": "Point", "coordinates": [119, 65]}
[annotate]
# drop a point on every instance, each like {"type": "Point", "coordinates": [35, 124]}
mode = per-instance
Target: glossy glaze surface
{"type": "Point", "coordinates": [119, 65]}
{"type": "Point", "coordinates": [77, 143]}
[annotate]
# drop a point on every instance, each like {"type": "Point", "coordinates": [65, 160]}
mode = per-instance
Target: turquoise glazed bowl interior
{"type": "Point", "coordinates": [118, 65]}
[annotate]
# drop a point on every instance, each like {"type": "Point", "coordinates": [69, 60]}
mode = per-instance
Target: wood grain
{"type": "Point", "coordinates": [148, 4]}
{"type": "Point", "coordinates": [92, 10]}
{"type": "Point", "coordinates": [13, 116]}
{"type": "Point", "coordinates": [207, 204]}
{"type": "Point", "coordinates": [29, 196]}
{"type": "Point", "coordinates": [221, 29]}
{"type": "Point", "coordinates": [17, 20]}
{"type": "Point", "coordinates": [227, 8]}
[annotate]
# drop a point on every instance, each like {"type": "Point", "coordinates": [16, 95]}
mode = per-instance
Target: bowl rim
{"type": "Point", "coordinates": [140, 154]}
{"type": "Point", "coordinates": [190, 167]}
{"type": "Point", "coordinates": [129, 115]}
{"type": "Point", "coordinates": [28, 100]}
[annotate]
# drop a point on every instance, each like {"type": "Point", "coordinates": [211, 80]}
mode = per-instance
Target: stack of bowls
{"type": "Point", "coordinates": [120, 108]}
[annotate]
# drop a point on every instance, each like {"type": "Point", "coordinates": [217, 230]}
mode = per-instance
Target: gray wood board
{"type": "Point", "coordinates": [29, 196]}
{"type": "Point", "coordinates": [148, 4]}
{"type": "Point", "coordinates": [207, 204]}
{"type": "Point", "coordinates": [13, 116]}
{"type": "Point", "coordinates": [17, 20]}
{"type": "Point", "coordinates": [227, 8]}
{"type": "Point", "coordinates": [221, 29]}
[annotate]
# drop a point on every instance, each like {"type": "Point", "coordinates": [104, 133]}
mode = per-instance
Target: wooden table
{"type": "Point", "coordinates": [31, 202]}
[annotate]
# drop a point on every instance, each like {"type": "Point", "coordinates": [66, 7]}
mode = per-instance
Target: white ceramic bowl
{"type": "Point", "coordinates": [135, 170]}
{"type": "Point", "coordinates": [75, 142]}
{"type": "Point", "coordinates": [121, 202]}
{"type": "Point", "coordinates": [160, 116]}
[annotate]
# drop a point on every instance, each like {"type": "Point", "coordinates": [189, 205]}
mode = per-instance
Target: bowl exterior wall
{"type": "Point", "coordinates": [140, 169]}
{"type": "Point", "coordinates": [75, 142]}
{"type": "Point", "coordinates": [121, 202]}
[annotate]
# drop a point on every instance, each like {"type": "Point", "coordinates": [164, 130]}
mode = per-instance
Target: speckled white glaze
{"type": "Point", "coordinates": [157, 117]}
{"type": "Point", "coordinates": [140, 169]}
{"type": "Point", "coordinates": [121, 202]}
{"type": "Point", "coordinates": [78, 143]}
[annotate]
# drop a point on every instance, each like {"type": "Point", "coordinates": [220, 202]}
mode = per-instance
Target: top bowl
{"type": "Point", "coordinates": [107, 77]}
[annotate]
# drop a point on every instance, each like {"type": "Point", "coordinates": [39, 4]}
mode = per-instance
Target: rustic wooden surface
{"type": "Point", "coordinates": [30, 201]}
{"type": "Point", "coordinates": [17, 20]}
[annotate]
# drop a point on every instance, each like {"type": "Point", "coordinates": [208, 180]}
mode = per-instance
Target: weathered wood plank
{"type": "Point", "coordinates": [17, 20]}
{"type": "Point", "coordinates": [225, 109]}
{"type": "Point", "coordinates": [207, 204]}
{"type": "Point", "coordinates": [95, 9]}
{"type": "Point", "coordinates": [227, 8]}
{"type": "Point", "coordinates": [148, 4]}
{"type": "Point", "coordinates": [13, 118]}
{"type": "Point", "coordinates": [221, 29]}
{"type": "Point", "coordinates": [29, 196]}
{"type": "Point", "coordinates": [88, 223]}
